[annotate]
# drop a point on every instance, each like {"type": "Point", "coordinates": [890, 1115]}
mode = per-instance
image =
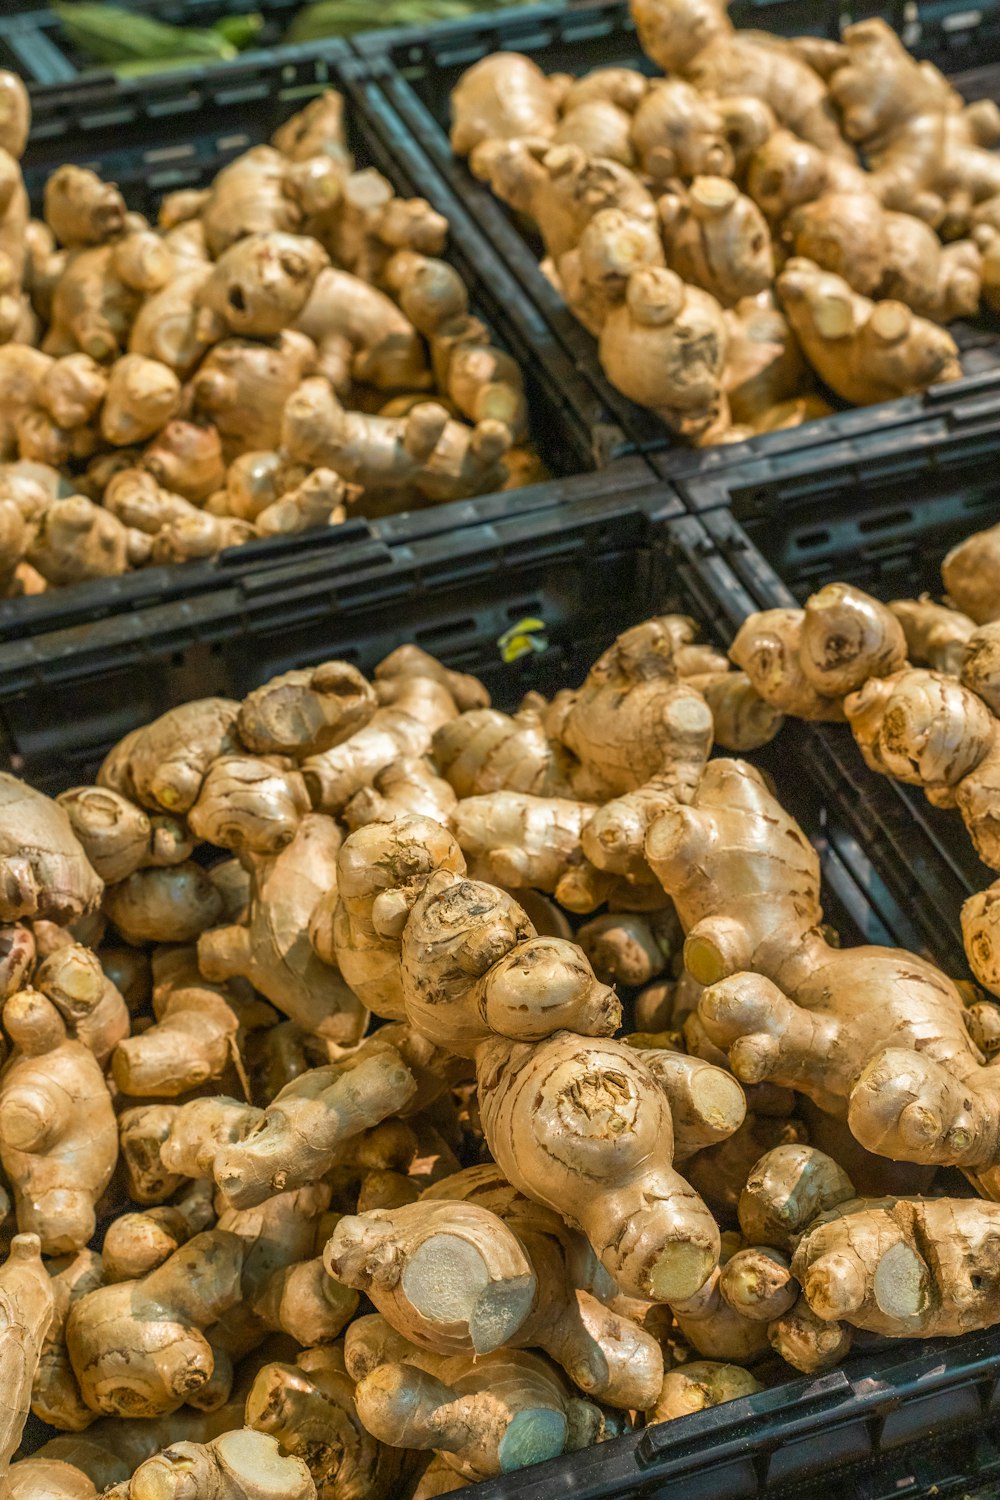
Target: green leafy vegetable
{"type": "Point", "coordinates": [120, 39]}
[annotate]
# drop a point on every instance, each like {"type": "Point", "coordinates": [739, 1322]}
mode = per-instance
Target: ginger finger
{"type": "Point", "coordinates": [250, 806]}
{"type": "Point", "coordinates": [142, 396]}
{"type": "Point", "coordinates": [80, 209]}
{"type": "Point", "coordinates": [260, 285]}
{"type": "Point", "coordinates": [186, 459]}
{"type": "Point", "coordinates": [502, 97]}
{"type": "Point", "coordinates": [307, 711]}
{"type": "Point", "coordinates": [77, 540]}
{"type": "Point", "coordinates": [450, 1277]}
{"type": "Point", "coordinates": [789, 1188]}
{"type": "Point", "coordinates": [136, 1243]}
{"type": "Point", "coordinates": [758, 1284]}
{"type": "Point", "coordinates": [88, 1001]}
{"type": "Point", "coordinates": [44, 871]}
{"type": "Point", "coordinates": [55, 1395]}
{"type": "Point", "coordinates": [807, 1342]}
{"type": "Point", "coordinates": [241, 1465]}
{"type": "Point", "coordinates": [409, 785]}
{"type": "Point", "coordinates": [935, 637]}
{"type": "Point", "coordinates": [172, 904]}
{"type": "Point", "coordinates": [163, 764]}
{"type": "Point", "coordinates": [742, 720]}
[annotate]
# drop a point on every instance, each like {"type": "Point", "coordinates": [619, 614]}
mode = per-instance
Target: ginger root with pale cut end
{"type": "Point", "coordinates": [866, 352]}
{"type": "Point", "coordinates": [665, 348]}
{"type": "Point", "coordinates": [169, 905]}
{"type": "Point", "coordinates": [272, 948]}
{"type": "Point", "coordinates": [138, 1347]}
{"type": "Point", "coordinates": [503, 97]}
{"type": "Point", "coordinates": [80, 209]}
{"type": "Point", "coordinates": [936, 637]}
{"type": "Point", "coordinates": [450, 1277]}
{"type": "Point", "coordinates": [306, 711]}
{"type": "Point", "coordinates": [260, 284]}
{"type": "Point", "coordinates": [26, 1306]}
{"type": "Point", "coordinates": [718, 239]}
{"type": "Point", "coordinates": [58, 1134]}
{"type": "Point", "coordinates": [969, 574]}
{"type": "Point", "coordinates": [142, 396]}
{"type": "Point", "coordinates": [903, 1267]}
{"type": "Point", "coordinates": [648, 1228]}
{"type": "Point", "coordinates": [163, 764]}
{"type": "Point", "coordinates": [303, 1127]}
{"type": "Point", "coordinates": [44, 871]}
{"type": "Point", "coordinates": [490, 1415]}
{"type": "Point", "coordinates": [698, 1385]}
{"type": "Point", "coordinates": [239, 1465]}
{"type": "Point", "coordinates": [250, 805]}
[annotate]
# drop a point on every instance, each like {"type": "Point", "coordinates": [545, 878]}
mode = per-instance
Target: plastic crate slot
{"type": "Point", "coordinates": [883, 521]}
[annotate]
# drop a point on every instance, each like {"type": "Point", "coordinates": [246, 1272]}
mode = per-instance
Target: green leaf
{"type": "Point", "coordinates": [108, 35]}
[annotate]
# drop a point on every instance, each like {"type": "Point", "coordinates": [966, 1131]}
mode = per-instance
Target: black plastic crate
{"type": "Point", "coordinates": [587, 567]}
{"type": "Point", "coordinates": [152, 138]}
{"type": "Point", "coordinates": [416, 72]}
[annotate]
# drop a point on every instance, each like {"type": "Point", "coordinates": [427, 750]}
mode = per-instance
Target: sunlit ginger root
{"type": "Point", "coordinates": [44, 871]}
{"type": "Point", "coordinates": [27, 1306]}
{"type": "Point", "coordinates": [306, 711]}
{"type": "Point", "coordinates": [272, 947]}
{"type": "Point", "coordinates": [298, 1136]}
{"type": "Point", "coordinates": [804, 662]}
{"type": "Point", "coordinates": [648, 1228]}
{"type": "Point", "coordinates": [698, 1385]}
{"type": "Point", "coordinates": [249, 196]}
{"type": "Point", "coordinates": [426, 453]}
{"type": "Point", "coordinates": [487, 1416]}
{"type": "Point", "coordinates": [718, 239]}
{"type": "Point", "coordinates": [118, 836]}
{"type": "Point", "coordinates": [936, 637]}
{"type": "Point", "coordinates": [696, 40]}
{"type": "Point", "coordinates": [866, 352]}
{"type": "Point", "coordinates": [58, 1134]}
{"type": "Point", "coordinates": [574, 1316]}
{"type": "Point", "coordinates": [320, 500]}
{"type": "Point", "coordinates": [142, 396]}
{"type": "Point", "coordinates": [806, 1015]}
{"type": "Point", "coordinates": [138, 1347]}
{"type": "Point", "coordinates": [742, 720]}
{"type": "Point", "coordinates": [525, 842]}
{"type": "Point", "coordinates": [239, 1465]}
{"type": "Point", "coordinates": [186, 458]}
{"type": "Point", "coordinates": [594, 275]}
{"type": "Point", "coordinates": [99, 292]}
{"type": "Point", "coordinates": [504, 96]}
{"type": "Point", "coordinates": [665, 348]}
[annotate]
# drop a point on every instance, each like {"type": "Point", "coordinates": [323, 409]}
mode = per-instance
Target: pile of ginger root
{"type": "Point", "coordinates": [334, 1162]}
{"type": "Point", "coordinates": [282, 349]}
{"type": "Point", "coordinates": [773, 225]}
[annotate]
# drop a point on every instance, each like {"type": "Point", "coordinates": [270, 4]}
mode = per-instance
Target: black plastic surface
{"type": "Point", "coordinates": [417, 71]}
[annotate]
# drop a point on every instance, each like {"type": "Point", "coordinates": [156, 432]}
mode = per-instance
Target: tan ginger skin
{"type": "Point", "coordinates": [792, 1010]}
{"type": "Point", "coordinates": [59, 1136]}
{"type": "Point", "coordinates": [486, 1416]}
{"type": "Point", "coordinates": [698, 1385]}
{"type": "Point", "coordinates": [306, 711]}
{"type": "Point", "coordinates": [163, 764]}
{"type": "Point", "coordinates": [272, 947]}
{"type": "Point", "coordinates": [968, 574]}
{"type": "Point", "coordinates": [44, 871]}
{"type": "Point", "coordinates": [240, 1465]}
{"type": "Point", "coordinates": [866, 352]}
{"type": "Point", "coordinates": [55, 1395]}
{"type": "Point", "coordinates": [27, 1305]}
{"type": "Point", "coordinates": [695, 40]}
{"type": "Point", "coordinates": [717, 238]}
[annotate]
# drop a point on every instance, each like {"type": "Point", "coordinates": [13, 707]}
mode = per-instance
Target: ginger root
{"type": "Point", "coordinates": [44, 871]}
{"type": "Point", "coordinates": [26, 1302]}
